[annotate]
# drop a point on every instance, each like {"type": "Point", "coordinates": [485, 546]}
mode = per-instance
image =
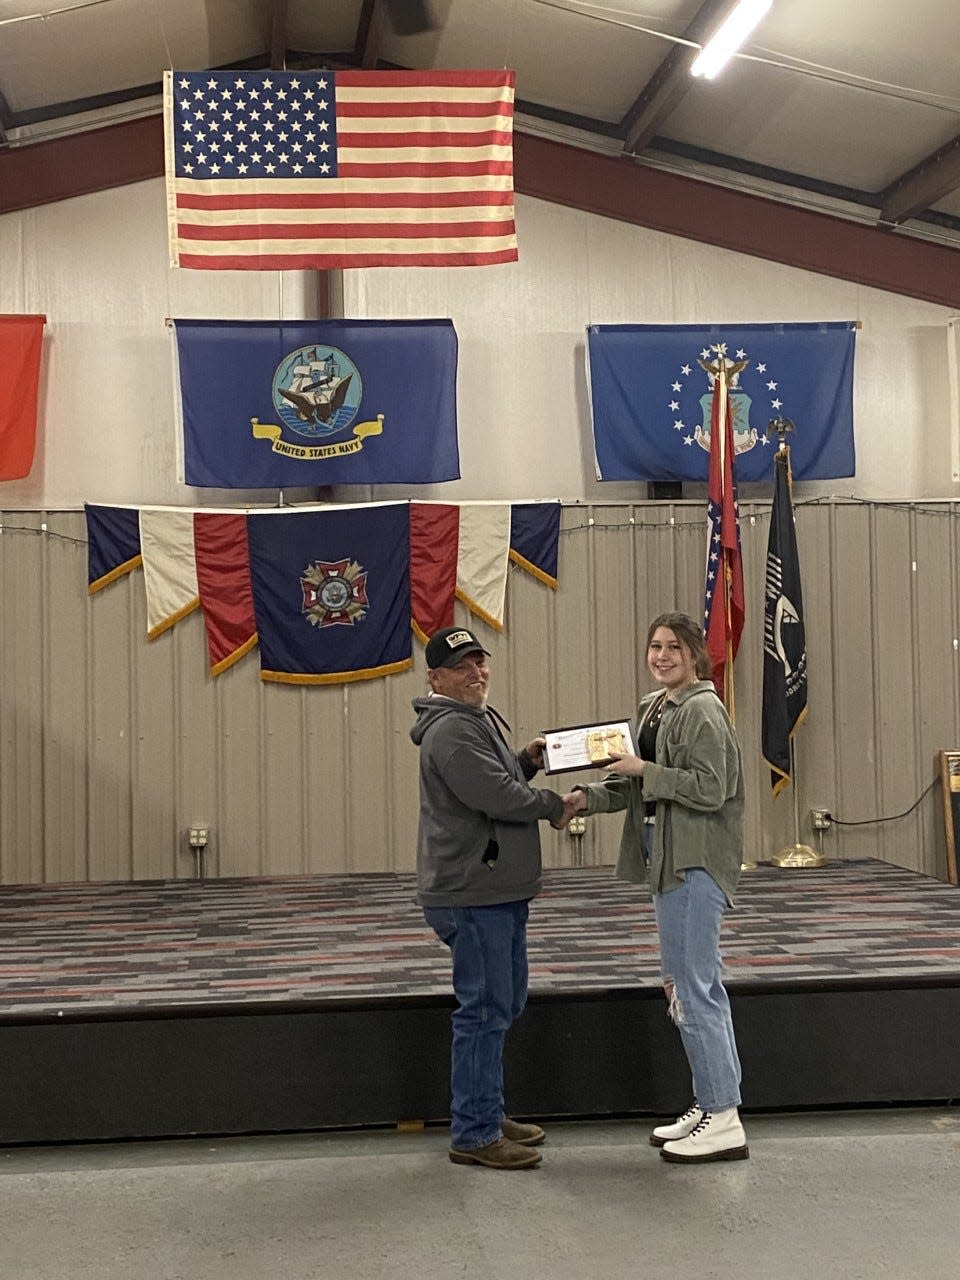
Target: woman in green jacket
{"type": "Point", "coordinates": [683, 832]}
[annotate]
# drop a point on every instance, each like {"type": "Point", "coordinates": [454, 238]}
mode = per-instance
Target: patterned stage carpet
{"type": "Point", "coordinates": [82, 950]}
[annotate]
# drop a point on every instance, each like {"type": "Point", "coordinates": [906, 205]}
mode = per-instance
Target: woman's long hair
{"type": "Point", "coordinates": [690, 636]}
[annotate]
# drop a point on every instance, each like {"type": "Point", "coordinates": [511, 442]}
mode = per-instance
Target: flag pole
{"type": "Point", "coordinates": [722, 496]}
{"type": "Point", "coordinates": [728, 689]}
{"type": "Point", "coordinates": [798, 854]}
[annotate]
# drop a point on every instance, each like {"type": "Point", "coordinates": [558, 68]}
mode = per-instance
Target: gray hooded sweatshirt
{"type": "Point", "coordinates": [478, 842]}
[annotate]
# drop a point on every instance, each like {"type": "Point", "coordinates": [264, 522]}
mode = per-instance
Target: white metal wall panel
{"type": "Point", "coordinates": [112, 666]}
{"type": "Point", "coordinates": [934, 656]}
{"type": "Point", "coordinates": [815, 742]}
{"type": "Point", "coordinates": [240, 826]}
{"type": "Point", "coordinates": [21, 726]}
{"type": "Point", "coordinates": [64, 687]}
{"type": "Point", "coordinates": [112, 746]}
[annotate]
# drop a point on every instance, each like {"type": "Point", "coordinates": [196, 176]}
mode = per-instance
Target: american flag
{"type": "Point", "coordinates": [723, 591]}
{"type": "Point", "coordinates": [292, 170]}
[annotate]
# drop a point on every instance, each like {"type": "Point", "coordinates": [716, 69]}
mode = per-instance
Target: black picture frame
{"type": "Point", "coordinates": [950, 787]}
{"type": "Point", "coordinates": [574, 747]}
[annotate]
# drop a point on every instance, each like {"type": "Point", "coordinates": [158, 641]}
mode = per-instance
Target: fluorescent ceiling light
{"type": "Point", "coordinates": [729, 37]}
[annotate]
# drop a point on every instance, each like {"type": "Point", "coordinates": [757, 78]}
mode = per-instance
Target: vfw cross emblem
{"type": "Point", "coordinates": [334, 593]}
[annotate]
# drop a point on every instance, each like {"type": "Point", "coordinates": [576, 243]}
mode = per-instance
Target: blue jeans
{"type": "Point", "coordinates": [489, 950]}
{"type": "Point", "coordinates": [688, 922]}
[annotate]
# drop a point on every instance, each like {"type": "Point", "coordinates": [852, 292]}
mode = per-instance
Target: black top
{"type": "Point", "coordinates": [647, 742]}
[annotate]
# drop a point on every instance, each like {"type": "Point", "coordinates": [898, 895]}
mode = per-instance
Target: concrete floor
{"type": "Point", "coordinates": [852, 1195]}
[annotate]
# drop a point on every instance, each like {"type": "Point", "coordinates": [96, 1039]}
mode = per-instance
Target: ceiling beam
{"type": "Point", "coordinates": [4, 117]}
{"type": "Point", "coordinates": [671, 81]}
{"type": "Point", "coordinates": [278, 36]}
{"type": "Point", "coordinates": [369, 34]}
{"type": "Point", "coordinates": [113, 156]}
{"type": "Point", "coordinates": [616, 187]}
{"type": "Point", "coordinates": [923, 186]}
{"type": "Point", "coordinates": [611, 186]}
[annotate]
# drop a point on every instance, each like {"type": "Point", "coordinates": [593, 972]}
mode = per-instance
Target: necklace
{"type": "Point", "coordinates": [656, 712]}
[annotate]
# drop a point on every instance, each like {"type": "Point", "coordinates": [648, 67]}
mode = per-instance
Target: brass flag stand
{"type": "Point", "coordinates": [797, 855]}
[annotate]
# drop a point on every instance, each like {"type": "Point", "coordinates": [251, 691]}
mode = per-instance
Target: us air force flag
{"type": "Point", "coordinates": [304, 403]}
{"type": "Point", "coordinates": [650, 396]}
{"type": "Point", "coordinates": [784, 639]}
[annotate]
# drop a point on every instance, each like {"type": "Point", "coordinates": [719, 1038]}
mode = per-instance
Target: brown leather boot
{"type": "Point", "coordinates": [528, 1135]}
{"type": "Point", "coordinates": [501, 1154]}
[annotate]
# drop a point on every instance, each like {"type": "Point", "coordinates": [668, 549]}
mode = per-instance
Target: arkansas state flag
{"type": "Point", "coordinates": [307, 403]}
{"type": "Point", "coordinates": [723, 610]}
{"type": "Point", "coordinates": [331, 591]}
{"type": "Point", "coordinates": [20, 344]}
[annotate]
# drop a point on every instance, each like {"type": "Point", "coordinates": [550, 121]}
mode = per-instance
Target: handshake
{"type": "Point", "coordinates": [574, 802]}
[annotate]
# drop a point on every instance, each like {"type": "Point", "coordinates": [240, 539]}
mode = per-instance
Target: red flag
{"type": "Point", "coordinates": [723, 589]}
{"type": "Point", "coordinates": [434, 540]}
{"type": "Point", "coordinates": [223, 580]}
{"type": "Point", "coordinates": [20, 343]}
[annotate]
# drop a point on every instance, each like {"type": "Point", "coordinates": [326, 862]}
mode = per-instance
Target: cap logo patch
{"type": "Point", "coordinates": [457, 638]}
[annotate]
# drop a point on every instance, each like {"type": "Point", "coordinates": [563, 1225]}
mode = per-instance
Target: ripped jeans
{"type": "Point", "coordinates": [688, 922]}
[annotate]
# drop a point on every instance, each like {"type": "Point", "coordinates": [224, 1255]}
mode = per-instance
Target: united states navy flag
{"type": "Point", "coordinates": [651, 399]}
{"type": "Point", "coordinates": [292, 403]}
{"type": "Point", "coordinates": [331, 593]}
{"type": "Point", "coordinates": [784, 638]}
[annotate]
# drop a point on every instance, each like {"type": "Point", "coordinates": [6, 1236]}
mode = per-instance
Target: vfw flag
{"type": "Point", "coordinates": [319, 170]}
{"type": "Point", "coordinates": [651, 398]}
{"type": "Point", "coordinates": [331, 593]}
{"type": "Point", "coordinates": [283, 404]}
{"type": "Point", "coordinates": [784, 636]}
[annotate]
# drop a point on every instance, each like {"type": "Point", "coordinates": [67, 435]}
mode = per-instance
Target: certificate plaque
{"type": "Point", "coordinates": [587, 746]}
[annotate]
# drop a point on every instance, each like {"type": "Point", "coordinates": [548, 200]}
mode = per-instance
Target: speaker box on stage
{"type": "Point", "coordinates": [664, 490]}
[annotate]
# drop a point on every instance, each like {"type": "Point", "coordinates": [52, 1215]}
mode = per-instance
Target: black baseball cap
{"type": "Point", "coordinates": [446, 647]}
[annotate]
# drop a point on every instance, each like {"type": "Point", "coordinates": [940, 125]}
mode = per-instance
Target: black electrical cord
{"type": "Point", "coordinates": [868, 822]}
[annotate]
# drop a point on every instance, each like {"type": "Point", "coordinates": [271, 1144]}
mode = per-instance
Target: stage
{"type": "Point", "coordinates": [235, 1006]}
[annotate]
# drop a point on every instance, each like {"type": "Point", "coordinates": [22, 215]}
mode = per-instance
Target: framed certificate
{"type": "Point", "coordinates": [950, 786]}
{"type": "Point", "coordinates": [587, 746]}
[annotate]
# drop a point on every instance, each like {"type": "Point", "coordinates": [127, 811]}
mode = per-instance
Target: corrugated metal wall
{"type": "Point", "coordinates": [111, 746]}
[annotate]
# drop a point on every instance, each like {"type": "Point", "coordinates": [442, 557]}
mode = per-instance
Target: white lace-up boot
{"type": "Point", "coordinates": [718, 1136]}
{"type": "Point", "coordinates": [680, 1128]}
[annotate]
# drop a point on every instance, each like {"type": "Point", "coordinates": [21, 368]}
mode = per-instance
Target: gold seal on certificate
{"type": "Point", "coordinates": [587, 746]}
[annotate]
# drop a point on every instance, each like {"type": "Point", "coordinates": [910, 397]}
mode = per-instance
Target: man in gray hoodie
{"type": "Point", "coordinates": [478, 866]}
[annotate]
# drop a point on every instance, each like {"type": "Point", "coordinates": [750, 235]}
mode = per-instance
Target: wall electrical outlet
{"type": "Point", "coordinates": [577, 826]}
{"type": "Point", "coordinates": [820, 819]}
{"type": "Point", "coordinates": [199, 837]}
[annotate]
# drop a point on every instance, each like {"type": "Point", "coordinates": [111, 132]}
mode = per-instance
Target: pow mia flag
{"type": "Point", "coordinates": [784, 639]}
